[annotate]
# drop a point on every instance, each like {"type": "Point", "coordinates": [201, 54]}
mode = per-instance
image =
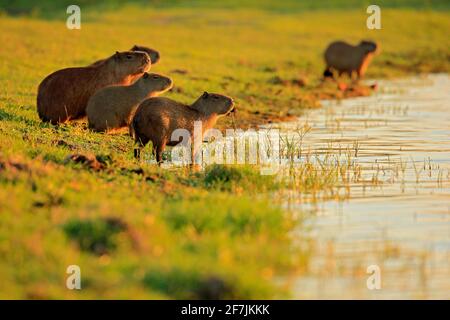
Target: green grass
{"type": "Point", "coordinates": [138, 231]}
{"type": "Point", "coordinates": [52, 8]}
{"type": "Point", "coordinates": [238, 52]}
{"type": "Point", "coordinates": [118, 225]}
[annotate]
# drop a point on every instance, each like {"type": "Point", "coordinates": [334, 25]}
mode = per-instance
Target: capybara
{"type": "Point", "coordinates": [152, 53]}
{"type": "Point", "coordinates": [346, 58]}
{"type": "Point", "coordinates": [64, 94]}
{"type": "Point", "coordinates": [157, 118]}
{"type": "Point", "coordinates": [113, 107]}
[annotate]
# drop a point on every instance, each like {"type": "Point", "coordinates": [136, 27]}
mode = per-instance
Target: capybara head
{"type": "Point", "coordinates": [155, 83]}
{"type": "Point", "coordinates": [209, 103]}
{"type": "Point", "coordinates": [130, 62]}
{"type": "Point", "coordinates": [153, 54]}
{"type": "Point", "coordinates": [369, 46]}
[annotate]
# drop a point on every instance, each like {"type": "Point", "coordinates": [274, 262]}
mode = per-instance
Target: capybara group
{"type": "Point", "coordinates": [64, 94]}
{"type": "Point", "coordinates": [118, 92]}
{"type": "Point", "coordinates": [113, 107]}
{"type": "Point", "coordinates": [346, 58]}
{"type": "Point", "coordinates": [157, 118]}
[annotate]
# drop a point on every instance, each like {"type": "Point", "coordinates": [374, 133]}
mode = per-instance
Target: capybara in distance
{"type": "Point", "coordinates": [346, 58]}
{"type": "Point", "coordinates": [152, 53]}
{"type": "Point", "coordinates": [64, 94]}
{"type": "Point", "coordinates": [113, 107]}
{"type": "Point", "coordinates": [157, 118]}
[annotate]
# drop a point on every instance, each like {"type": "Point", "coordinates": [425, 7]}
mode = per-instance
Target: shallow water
{"type": "Point", "coordinates": [401, 138]}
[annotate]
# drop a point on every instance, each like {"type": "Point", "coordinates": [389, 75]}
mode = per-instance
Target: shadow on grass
{"type": "Point", "coordinates": [6, 116]}
{"type": "Point", "coordinates": [95, 236]}
{"type": "Point", "coordinates": [189, 284]}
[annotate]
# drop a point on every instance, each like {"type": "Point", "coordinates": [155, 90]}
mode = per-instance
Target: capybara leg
{"type": "Point", "coordinates": [137, 153]}
{"type": "Point", "coordinates": [140, 144]}
{"type": "Point", "coordinates": [360, 74]}
{"type": "Point", "coordinates": [159, 148]}
{"type": "Point", "coordinates": [196, 155]}
{"type": "Point", "coordinates": [328, 73]}
{"type": "Point", "coordinates": [354, 76]}
{"type": "Point", "coordinates": [196, 159]}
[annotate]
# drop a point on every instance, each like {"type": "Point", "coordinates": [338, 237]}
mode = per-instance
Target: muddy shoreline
{"type": "Point", "coordinates": [325, 90]}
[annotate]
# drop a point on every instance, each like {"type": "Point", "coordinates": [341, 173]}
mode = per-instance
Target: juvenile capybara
{"type": "Point", "coordinates": [346, 58]}
{"type": "Point", "coordinates": [157, 118]}
{"type": "Point", "coordinates": [64, 94]}
{"type": "Point", "coordinates": [113, 107]}
{"type": "Point", "coordinates": [152, 53]}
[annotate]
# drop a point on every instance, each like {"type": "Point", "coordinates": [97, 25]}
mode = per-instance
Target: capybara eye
{"type": "Point", "coordinates": [155, 77]}
{"type": "Point", "coordinates": [216, 97]}
{"type": "Point", "coordinates": [129, 56]}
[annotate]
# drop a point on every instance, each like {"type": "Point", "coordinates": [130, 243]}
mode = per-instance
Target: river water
{"type": "Point", "coordinates": [399, 225]}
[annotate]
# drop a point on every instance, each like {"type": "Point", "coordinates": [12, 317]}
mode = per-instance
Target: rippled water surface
{"type": "Point", "coordinates": [400, 219]}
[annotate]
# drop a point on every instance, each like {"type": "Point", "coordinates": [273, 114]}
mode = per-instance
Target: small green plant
{"type": "Point", "coordinates": [95, 236]}
{"type": "Point", "coordinates": [238, 178]}
{"type": "Point", "coordinates": [189, 284]}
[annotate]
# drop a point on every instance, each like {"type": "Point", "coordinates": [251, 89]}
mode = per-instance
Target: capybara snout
{"type": "Point", "coordinates": [133, 57]}
{"type": "Point", "coordinates": [370, 46]}
{"type": "Point", "coordinates": [157, 82]}
{"type": "Point", "coordinates": [216, 103]}
{"type": "Point", "coordinates": [152, 53]}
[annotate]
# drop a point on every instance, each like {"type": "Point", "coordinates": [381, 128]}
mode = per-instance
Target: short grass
{"type": "Point", "coordinates": [138, 231]}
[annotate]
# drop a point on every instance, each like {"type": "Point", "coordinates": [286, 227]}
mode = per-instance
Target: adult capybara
{"type": "Point", "coordinates": [157, 118]}
{"type": "Point", "coordinates": [152, 53]}
{"type": "Point", "coordinates": [64, 94]}
{"type": "Point", "coordinates": [346, 58]}
{"type": "Point", "coordinates": [113, 107]}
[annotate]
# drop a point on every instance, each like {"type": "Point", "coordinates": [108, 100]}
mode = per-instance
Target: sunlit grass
{"type": "Point", "coordinates": [181, 233]}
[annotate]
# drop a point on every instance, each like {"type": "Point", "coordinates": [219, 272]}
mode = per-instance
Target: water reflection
{"type": "Point", "coordinates": [397, 213]}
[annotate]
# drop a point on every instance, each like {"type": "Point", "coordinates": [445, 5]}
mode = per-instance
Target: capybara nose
{"type": "Point", "coordinates": [233, 106]}
{"type": "Point", "coordinates": [169, 83]}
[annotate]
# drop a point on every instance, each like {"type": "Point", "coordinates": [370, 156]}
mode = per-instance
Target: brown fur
{"type": "Point", "coordinates": [113, 107]}
{"type": "Point", "coordinates": [152, 53]}
{"type": "Point", "coordinates": [64, 94]}
{"type": "Point", "coordinates": [346, 58]}
{"type": "Point", "coordinates": [157, 118]}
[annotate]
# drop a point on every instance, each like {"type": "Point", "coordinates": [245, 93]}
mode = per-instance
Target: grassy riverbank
{"type": "Point", "coordinates": [138, 231]}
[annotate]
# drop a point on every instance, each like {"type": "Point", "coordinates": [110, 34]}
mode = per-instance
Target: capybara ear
{"type": "Point", "coordinates": [116, 55]}
{"type": "Point", "coordinates": [135, 47]}
{"type": "Point", "coordinates": [145, 75]}
{"type": "Point", "coordinates": [205, 95]}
